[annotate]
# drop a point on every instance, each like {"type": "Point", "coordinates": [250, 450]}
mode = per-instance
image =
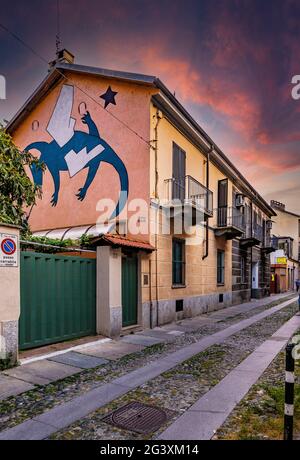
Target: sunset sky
{"type": "Point", "coordinates": [230, 63]}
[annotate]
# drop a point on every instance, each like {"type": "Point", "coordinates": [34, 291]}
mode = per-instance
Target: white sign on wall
{"type": "Point", "coordinates": [8, 250]}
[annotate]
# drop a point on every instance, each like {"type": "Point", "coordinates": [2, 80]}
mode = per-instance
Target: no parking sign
{"type": "Point", "coordinates": [8, 250]}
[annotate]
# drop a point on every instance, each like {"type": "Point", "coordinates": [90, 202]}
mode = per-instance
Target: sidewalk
{"type": "Point", "coordinates": [49, 422]}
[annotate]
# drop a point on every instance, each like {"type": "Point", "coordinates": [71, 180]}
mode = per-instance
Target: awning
{"type": "Point", "coordinates": [75, 233]}
{"type": "Point", "coordinates": [123, 241]}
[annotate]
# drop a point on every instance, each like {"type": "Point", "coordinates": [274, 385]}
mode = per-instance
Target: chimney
{"type": "Point", "coordinates": [277, 205]}
{"type": "Point", "coordinates": [62, 57]}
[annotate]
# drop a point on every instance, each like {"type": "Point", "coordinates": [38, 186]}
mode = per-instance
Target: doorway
{"type": "Point", "coordinates": [255, 275]}
{"type": "Point", "coordinates": [129, 289]}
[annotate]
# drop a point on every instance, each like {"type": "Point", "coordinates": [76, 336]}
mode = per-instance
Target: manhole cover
{"type": "Point", "coordinates": [138, 417]}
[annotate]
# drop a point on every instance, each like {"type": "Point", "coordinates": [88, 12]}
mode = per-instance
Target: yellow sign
{"type": "Point", "coordinates": [281, 260]}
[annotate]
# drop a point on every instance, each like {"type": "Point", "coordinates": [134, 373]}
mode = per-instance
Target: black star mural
{"type": "Point", "coordinates": [109, 97]}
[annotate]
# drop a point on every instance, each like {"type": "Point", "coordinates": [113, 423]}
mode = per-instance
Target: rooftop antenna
{"type": "Point", "coordinates": [58, 40]}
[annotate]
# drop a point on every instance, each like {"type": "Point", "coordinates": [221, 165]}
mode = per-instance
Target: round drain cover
{"type": "Point", "coordinates": [138, 417]}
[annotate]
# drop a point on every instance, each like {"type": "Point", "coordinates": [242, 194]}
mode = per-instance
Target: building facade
{"type": "Point", "coordinates": [177, 229]}
{"type": "Point", "coordinates": [286, 241]}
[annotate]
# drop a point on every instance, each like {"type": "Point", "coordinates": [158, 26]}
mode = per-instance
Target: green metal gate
{"type": "Point", "coordinates": [58, 298]}
{"type": "Point", "coordinates": [129, 289]}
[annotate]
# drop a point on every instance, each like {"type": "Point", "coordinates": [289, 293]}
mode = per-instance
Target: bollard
{"type": "Point", "coordinates": [289, 392]}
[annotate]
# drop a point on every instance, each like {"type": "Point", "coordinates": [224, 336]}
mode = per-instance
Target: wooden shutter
{"type": "Point", "coordinates": [179, 171]}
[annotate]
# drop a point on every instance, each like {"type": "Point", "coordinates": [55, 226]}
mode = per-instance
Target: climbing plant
{"type": "Point", "coordinates": [17, 191]}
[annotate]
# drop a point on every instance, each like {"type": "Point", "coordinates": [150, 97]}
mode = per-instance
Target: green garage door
{"type": "Point", "coordinates": [58, 298]}
{"type": "Point", "coordinates": [129, 289]}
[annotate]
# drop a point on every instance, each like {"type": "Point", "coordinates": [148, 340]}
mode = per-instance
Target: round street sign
{"type": "Point", "coordinates": [8, 246]}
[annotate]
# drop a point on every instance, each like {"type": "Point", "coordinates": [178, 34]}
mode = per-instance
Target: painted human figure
{"type": "Point", "coordinates": [74, 151]}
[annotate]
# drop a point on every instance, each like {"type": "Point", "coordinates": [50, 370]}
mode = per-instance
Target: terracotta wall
{"type": "Point", "coordinates": [132, 107]}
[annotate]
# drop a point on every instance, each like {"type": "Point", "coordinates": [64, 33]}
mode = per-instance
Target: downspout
{"type": "Point", "coordinates": [205, 255]}
{"type": "Point", "coordinates": [158, 118]}
{"type": "Point", "coordinates": [150, 294]}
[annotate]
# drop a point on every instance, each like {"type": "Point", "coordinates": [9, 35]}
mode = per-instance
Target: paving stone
{"type": "Point", "coordinates": [196, 426]}
{"type": "Point", "coordinates": [42, 372]}
{"type": "Point", "coordinates": [173, 327]}
{"type": "Point", "coordinates": [158, 334]}
{"type": "Point", "coordinates": [176, 333]}
{"type": "Point", "coordinates": [80, 360]}
{"type": "Point", "coordinates": [141, 340]}
{"type": "Point", "coordinates": [30, 430]}
{"type": "Point", "coordinates": [10, 386]}
{"type": "Point", "coordinates": [112, 350]}
{"type": "Point", "coordinates": [142, 375]}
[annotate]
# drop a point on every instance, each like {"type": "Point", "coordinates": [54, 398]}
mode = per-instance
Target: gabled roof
{"type": "Point", "coordinates": [56, 74]}
{"type": "Point", "coordinates": [165, 100]}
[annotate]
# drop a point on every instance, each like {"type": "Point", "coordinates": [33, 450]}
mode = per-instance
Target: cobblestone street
{"type": "Point", "coordinates": [176, 389]}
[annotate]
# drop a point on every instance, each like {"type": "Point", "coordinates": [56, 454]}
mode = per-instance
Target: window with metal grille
{"type": "Point", "coordinates": [220, 267]}
{"type": "Point", "coordinates": [178, 262]}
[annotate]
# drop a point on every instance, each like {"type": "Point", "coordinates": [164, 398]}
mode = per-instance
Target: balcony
{"type": "Point", "coordinates": [230, 223]}
{"type": "Point", "coordinates": [252, 236]}
{"type": "Point", "coordinates": [188, 192]}
{"type": "Point", "coordinates": [284, 243]}
{"type": "Point", "coordinates": [269, 245]}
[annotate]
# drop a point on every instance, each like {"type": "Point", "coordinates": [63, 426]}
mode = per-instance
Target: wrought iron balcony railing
{"type": "Point", "coordinates": [230, 217]}
{"type": "Point", "coordinates": [188, 190]}
{"type": "Point", "coordinates": [274, 242]}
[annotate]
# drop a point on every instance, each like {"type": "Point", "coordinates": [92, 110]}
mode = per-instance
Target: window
{"type": "Point", "coordinates": [222, 202]}
{"type": "Point", "coordinates": [178, 262]}
{"type": "Point", "coordinates": [220, 267]}
{"type": "Point", "coordinates": [179, 305]}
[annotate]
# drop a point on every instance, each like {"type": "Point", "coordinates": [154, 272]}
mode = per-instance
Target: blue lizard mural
{"type": "Point", "coordinates": [73, 151]}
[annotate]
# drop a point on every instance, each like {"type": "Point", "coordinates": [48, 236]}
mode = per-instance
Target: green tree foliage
{"type": "Point", "coordinates": [17, 191]}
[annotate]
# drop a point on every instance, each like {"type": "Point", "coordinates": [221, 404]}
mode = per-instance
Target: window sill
{"type": "Point", "coordinates": [220, 284]}
{"type": "Point", "coordinates": [178, 286]}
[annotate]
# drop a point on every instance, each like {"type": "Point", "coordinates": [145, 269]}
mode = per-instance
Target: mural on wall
{"type": "Point", "coordinates": [74, 151]}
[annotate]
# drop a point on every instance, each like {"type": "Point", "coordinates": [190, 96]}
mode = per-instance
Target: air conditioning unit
{"type": "Point", "coordinates": [269, 224]}
{"type": "Point", "coordinates": [239, 200]}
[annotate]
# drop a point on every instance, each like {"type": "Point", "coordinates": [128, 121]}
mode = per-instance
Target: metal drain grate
{"type": "Point", "coordinates": [138, 417]}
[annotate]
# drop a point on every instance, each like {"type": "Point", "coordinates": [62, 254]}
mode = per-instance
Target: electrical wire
{"type": "Point", "coordinates": [58, 40]}
{"type": "Point", "coordinates": [26, 45]}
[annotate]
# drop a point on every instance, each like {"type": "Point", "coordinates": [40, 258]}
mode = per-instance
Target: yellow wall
{"type": "Point", "coordinates": [201, 275]}
{"type": "Point", "coordinates": [285, 224]}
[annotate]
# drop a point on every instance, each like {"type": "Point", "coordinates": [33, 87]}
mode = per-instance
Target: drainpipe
{"type": "Point", "coordinates": [158, 118]}
{"type": "Point", "coordinates": [205, 255]}
{"type": "Point", "coordinates": [150, 294]}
